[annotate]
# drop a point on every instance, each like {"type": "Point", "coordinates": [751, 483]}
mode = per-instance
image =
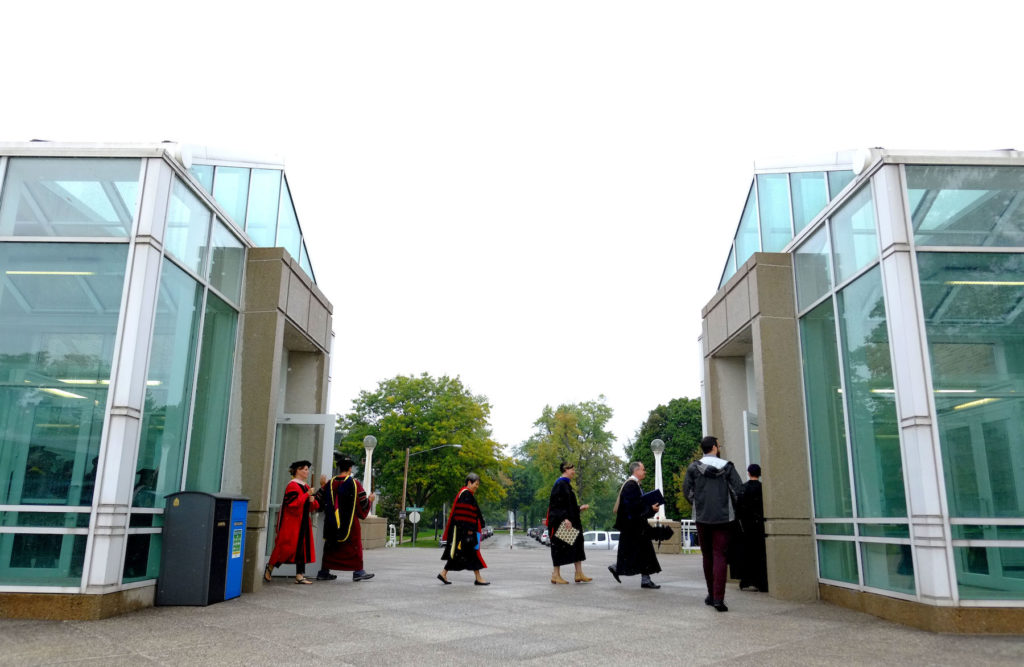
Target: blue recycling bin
{"type": "Point", "coordinates": [203, 548]}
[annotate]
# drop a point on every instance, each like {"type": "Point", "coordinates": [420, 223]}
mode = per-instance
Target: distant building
{"type": "Point", "coordinates": [866, 347]}
{"type": "Point", "coordinates": [160, 330]}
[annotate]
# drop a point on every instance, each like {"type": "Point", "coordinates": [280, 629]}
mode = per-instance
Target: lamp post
{"type": "Point", "coordinates": [405, 484]}
{"type": "Point", "coordinates": [369, 442]}
{"type": "Point", "coordinates": [658, 447]}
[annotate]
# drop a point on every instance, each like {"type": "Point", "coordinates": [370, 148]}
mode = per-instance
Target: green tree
{"type": "Point", "coordinates": [678, 425]}
{"type": "Point", "coordinates": [576, 433]}
{"type": "Point", "coordinates": [419, 413]}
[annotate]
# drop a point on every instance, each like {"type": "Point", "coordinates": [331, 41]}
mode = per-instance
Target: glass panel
{"type": "Point", "coordinates": [41, 560]}
{"type": "Point", "coordinates": [888, 566]}
{"type": "Point", "coordinates": [837, 561]}
{"type": "Point", "coordinates": [810, 195]}
{"type": "Point", "coordinates": [213, 396]}
{"type": "Point", "coordinates": [834, 529]}
{"type": "Point", "coordinates": [203, 174]}
{"type": "Point", "coordinates": [288, 235]}
{"type": "Point", "coordinates": [261, 221]}
{"type": "Point", "coordinates": [294, 442]}
{"type": "Point", "coordinates": [988, 532]}
{"type": "Point", "coordinates": [231, 190]}
{"type": "Point", "coordinates": [142, 557]}
{"type": "Point", "coordinates": [853, 234]}
{"type": "Point", "coordinates": [69, 197]}
{"type": "Point", "coordinates": [45, 519]}
{"type": "Point", "coordinates": [58, 318]}
{"type": "Point", "coordinates": [748, 239]}
{"type": "Point", "coordinates": [813, 271]}
{"type": "Point", "coordinates": [169, 390]}
{"type": "Point", "coordinates": [773, 203]}
{"type": "Point", "coordinates": [730, 268]}
{"type": "Point", "coordinates": [228, 261]}
{"type": "Point", "coordinates": [837, 180]}
{"type": "Point", "coordinates": [967, 206]}
{"type": "Point", "coordinates": [188, 227]}
{"type": "Point", "coordinates": [974, 321]}
{"type": "Point", "coordinates": [990, 573]}
{"type": "Point", "coordinates": [871, 399]}
{"type": "Point", "coordinates": [147, 520]}
{"type": "Point", "coordinates": [305, 264]}
{"type": "Point", "coordinates": [884, 530]}
{"type": "Point", "coordinates": [830, 472]}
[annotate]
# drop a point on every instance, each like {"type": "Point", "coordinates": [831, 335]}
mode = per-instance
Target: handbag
{"type": "Point", "coordinates": [567, 533]}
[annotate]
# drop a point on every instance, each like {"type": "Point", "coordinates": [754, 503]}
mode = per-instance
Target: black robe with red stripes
{"type": "Point", "coordinates": [461, 535]}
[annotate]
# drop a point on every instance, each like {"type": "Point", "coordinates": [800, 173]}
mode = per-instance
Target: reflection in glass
{"type": "Point", "coordinates": [231, 190]}
{"type": "Point", "coordinates": [188, 227]}
{"type": "Point", "coordinates": [773, 204]}
{"type": "Point", "coordinates": [966, 206]}
{"type": "Point", "coordinates": [990, 573]}
{"type": "Point", "coordinates": [974, 322]}
{"type": "Point", "coordinates": [888, 566]}
{"type": "Point", "coordinates": [748, 238]}
{"type": "Point", "coordinates": [77, 197]}
{"type": "Point", "coordinates": [810, 195]}
{"type": "Point", "coordinates": [830, 473]}
{"type": "Point", "coordinates": [812, 265]}
{"type": "Point", "coordinates": [142, 557]}
{"type": "Point", "coordinates": [41, 560]}
{"type": "Point", "coordinates": [730, 267]}
{"type": "Point", "coordinates": [213, 390]}
{"type": "Point", "coordinates": [871, 399]}
{"type": "Point", "coordinates": [854, 240]}
{"type": "Point", "coordinates": [169, 388]}
{"type": "Point", "coordinates": [834, 529]}
{"type": "Point", "coordinates": [305, 263]}
{"type": "Point", "coordinates": [837, 561]}
{"type": "Point", "coordinates": [288, 235]}
{"type": "Point", "coordinates": [884, 530]}
{"type": "Point", "coordinates": [203, 174]}
{"type": "Point", "coordinates": [294, 442]}
{"type": "Point", "coordinates": [837, 180]}
{"type": "Point", "coordinates": [53, 386]}
{"type": "Point", "coordinates": [227, 262]}
{"type": "Point", "coordinates": [261, 220]}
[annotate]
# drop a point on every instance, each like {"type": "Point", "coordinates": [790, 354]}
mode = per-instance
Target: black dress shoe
{"type": "Point", "coordinates": [322, 576]}
{"type": "Point", "coordinates": [448, 583]}
{"type": "Point", "coordinates": [708, 601]}
{"type": "Point", "coordinates": [651, 585]}
{"type": "Point", "coordinates": [720, 606]}
{"type": "Point", "coordinates": [611, 568]}
{"type": "Point", "coordinates": [481, 583]}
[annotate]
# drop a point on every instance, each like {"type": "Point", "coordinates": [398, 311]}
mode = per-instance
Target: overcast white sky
{"type": "Point", "coordinates": [537, 197]}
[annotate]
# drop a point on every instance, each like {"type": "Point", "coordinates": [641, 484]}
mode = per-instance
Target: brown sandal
{"type": "Point", "coordinates": [267, 571]}
{"type": "Point", "coordinates": [304, 581]}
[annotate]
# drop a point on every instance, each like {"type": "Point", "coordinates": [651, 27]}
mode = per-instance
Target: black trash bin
{"type": "Point", "coordinates": [203, 548]}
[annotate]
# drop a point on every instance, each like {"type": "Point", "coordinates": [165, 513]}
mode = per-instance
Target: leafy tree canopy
{"type": "Point", "coordinates": [678, 425]}
{"type": "Point", "coordinates": [419, 413]}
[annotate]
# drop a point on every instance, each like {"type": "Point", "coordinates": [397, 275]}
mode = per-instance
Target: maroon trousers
{"type": "Point", "coordinates": [714, 542]}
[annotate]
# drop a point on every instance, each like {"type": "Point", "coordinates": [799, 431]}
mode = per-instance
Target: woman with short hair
{"type": "Point", "coordinates": [462, 534]}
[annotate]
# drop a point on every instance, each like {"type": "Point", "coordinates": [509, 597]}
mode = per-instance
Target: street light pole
{"type": "Point", "coordinates": [369, 442]}
{"type": "Point", "coordinates": [405, 484]}
{"type": "Point", "coordinates": [658, 447]}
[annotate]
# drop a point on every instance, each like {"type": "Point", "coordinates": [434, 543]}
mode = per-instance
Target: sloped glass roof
{"type": "Point", "coordinates": [259, 203]}
{"type": "Point", "coordinates": [780, 204]}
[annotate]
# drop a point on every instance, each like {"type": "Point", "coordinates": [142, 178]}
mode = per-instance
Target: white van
{"type": "Point", "coordinates": [600, 539]}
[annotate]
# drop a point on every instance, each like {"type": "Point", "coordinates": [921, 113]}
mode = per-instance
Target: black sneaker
{"type": "Point", "coordinates": [720, 606]}
{"type": "Point", "coordinates": [325, 576]}
{"type": "Point", "coordinates": [362, 575]}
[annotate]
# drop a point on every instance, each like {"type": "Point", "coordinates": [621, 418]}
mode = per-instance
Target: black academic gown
{"type": "Point", "coordinates": [636, 552]}
{"type": "Point", "coordinates": [563, 506]}
{"type": "Point", "coordinates": [751, 560]}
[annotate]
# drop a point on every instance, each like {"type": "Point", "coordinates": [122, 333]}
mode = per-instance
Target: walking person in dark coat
{"type": "Point", "coordinates": [636, 553]}
{"type": "Point", "coordinates": [345, 505]}
{"type": "Point", "coordinates": [563, 508]}
{"type": "Point", "coordinates": [753, 564]}
{"type": "Point", "coordinates": [462, 534]}
{"type": "Point", "coordinates": [710, 485]}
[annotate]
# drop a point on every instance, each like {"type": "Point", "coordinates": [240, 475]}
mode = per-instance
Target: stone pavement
{"type": "Point", "coordinates": [405, 616]}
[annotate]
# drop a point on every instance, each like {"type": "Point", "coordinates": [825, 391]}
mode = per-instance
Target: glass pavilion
{"type": "Point", "coordinates": [126, 272]}
{"type": "Point", "coordinates": [894, 289]}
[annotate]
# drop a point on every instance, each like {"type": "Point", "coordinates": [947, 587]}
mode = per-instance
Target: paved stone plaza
{"type": "Point", "coordinates": [406, 617]}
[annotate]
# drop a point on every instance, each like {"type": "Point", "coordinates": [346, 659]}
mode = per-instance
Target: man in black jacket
{"type": "Point", "coordinates": [710, 486]}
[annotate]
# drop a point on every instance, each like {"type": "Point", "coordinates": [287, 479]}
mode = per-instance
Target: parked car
{"type": "Point", "coordinates": [601, 539]}
{"type": "Point", "coordinates": [544, 539]}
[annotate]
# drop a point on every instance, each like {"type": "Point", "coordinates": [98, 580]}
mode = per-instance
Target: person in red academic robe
{"type": "Point", "coordinates": [462, 534]}
{"type": "Point", "coordinates": [344, 503]}
{"type": "Point", "coordinates": [294, 543]}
